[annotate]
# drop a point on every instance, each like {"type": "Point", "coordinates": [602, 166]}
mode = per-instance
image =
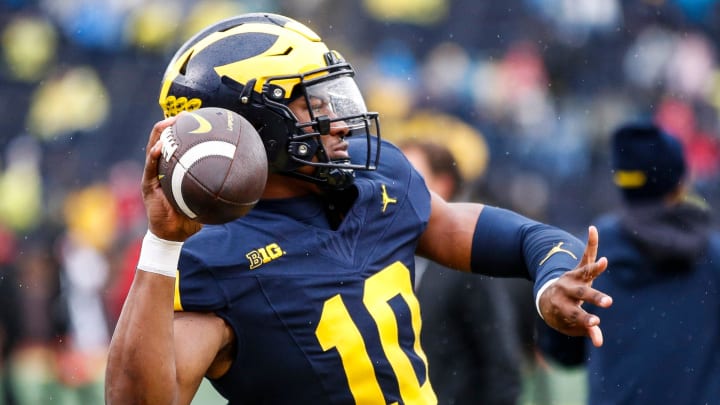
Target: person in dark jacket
{"type": "Point", "coordinates": [663, 336]}
{"type": "Point", "coordinates": [469, 333]}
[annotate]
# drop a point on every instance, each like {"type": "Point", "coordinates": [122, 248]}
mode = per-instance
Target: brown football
{"type": "Point", "coordinates": [213, 166]}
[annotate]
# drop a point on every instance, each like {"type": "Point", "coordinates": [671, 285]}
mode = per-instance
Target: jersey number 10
{"type": "Point", "coordinates": [336, 329]}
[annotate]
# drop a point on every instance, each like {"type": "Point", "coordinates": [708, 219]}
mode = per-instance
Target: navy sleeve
{"type": "Point", "coordinates": [507, 244]}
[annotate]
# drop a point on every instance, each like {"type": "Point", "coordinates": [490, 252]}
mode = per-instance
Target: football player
{"type": "Point", "coordinates": [309, 298]}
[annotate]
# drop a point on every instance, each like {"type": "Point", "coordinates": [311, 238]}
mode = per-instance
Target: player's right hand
{"type": "Point", "coordinates": [561, 304]}
{"type": "Point", "coordinates": [163, 220]}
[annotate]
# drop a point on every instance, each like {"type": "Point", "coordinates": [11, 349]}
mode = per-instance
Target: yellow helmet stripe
{"type": "Point", "coordinates": [170, 74]}
{"type": "Point", "coordinates": [269, 63]}
{"type": "Point", "coordinates": [305, 58]}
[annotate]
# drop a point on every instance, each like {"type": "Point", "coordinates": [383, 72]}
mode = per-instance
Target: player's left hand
{"type": "Point", "coordinates": [561, 303]}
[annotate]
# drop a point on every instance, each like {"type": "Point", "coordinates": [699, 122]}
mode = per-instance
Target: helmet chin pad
{"type": "Point", "coordinates": [334, 178]}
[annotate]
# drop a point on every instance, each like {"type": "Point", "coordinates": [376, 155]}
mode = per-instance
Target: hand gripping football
{"type": "Point", "coordinates": [213, 166]}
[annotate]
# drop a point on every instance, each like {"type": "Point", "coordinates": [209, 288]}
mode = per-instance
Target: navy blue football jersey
{"type": "Point", "coordinates": [321, 315]}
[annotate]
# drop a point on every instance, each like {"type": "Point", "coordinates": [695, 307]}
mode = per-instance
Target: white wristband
{"type": "Point", "coordinates": [540, 293]}
{"type": "Point", "coordinates": [159, 256]}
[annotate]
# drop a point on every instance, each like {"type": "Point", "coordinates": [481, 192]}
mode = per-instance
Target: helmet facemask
{"type": "Point", "coordinates": [334, 99]}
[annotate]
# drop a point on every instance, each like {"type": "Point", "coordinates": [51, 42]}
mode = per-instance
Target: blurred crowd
{"type": "Point", "coordinates": [525, 93]}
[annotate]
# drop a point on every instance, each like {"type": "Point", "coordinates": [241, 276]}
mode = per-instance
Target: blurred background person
{"type": "Point", "coordinates": [9, 316]}
{"type": "Point", "coordinates": [41, 315]}
{"type": "Point", "coordinates": [469, 332]}
{"type": "Point", "coordinates": [662, 340]}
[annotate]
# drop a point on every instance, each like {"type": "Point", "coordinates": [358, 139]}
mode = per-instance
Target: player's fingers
{"type": "Point", "coordinates": [152, 153]}
{"type": "Point", "coordinates": [157, 130]}
{"type": "Point", "coordinates": [590, 271]}
{"type": "Point", "coordinates": [593, 270]}
{"type": "Point", "coordinates": [595, 335]}
{"type": "Point", "coordinates": [591, 248]}
{"type": "Point", "coordinates": [151, 163]}
{"type": "Point", "coordinates": [585, 293]}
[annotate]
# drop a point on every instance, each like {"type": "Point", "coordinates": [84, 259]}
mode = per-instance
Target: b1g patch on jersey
{"type": "Point", "coordinates": [264, 255]}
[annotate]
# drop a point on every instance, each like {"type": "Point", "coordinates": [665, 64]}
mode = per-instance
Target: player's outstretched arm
{"type": "Point", "coordinates": [143, 366]}
{"type": "Point", "coordinates": [502, 243]}
{"type": "Point", "coordinates": [560, 303]}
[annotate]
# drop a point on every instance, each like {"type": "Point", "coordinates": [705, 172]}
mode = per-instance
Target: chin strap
{"type": "Point", "coordinates": [335, 177]}
{"type": "Point", "coordinates": [327, 178]}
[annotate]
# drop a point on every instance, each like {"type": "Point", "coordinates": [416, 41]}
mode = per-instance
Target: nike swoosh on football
{"type": "Point", "coordinates": [204, 127]}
